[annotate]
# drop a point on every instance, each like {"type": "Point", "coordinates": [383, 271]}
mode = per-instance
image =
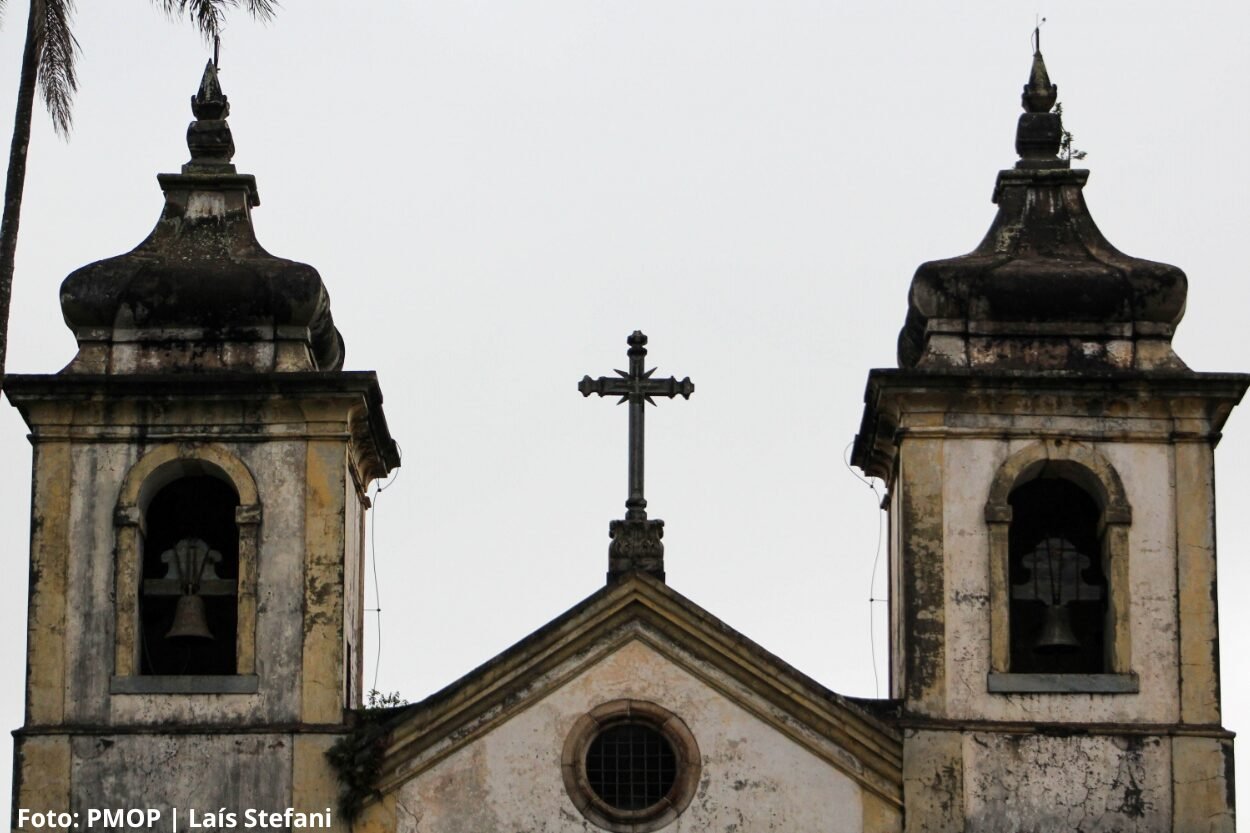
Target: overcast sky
{"type": "Point", "coordinates": [496, 193]}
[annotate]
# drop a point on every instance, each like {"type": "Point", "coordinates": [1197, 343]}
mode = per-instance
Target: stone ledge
{"type": "Point", "coordinates": [185, 684]}
{"type": "Point", "coordinates": [1063, 683]}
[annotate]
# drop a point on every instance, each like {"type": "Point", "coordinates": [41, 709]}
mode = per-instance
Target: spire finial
{"type": "Point", "coordinates": [210, 102]}
{"type": "Point", "coordinates": [1039, 132]}
{"type": "Point", "coordinates": [1039, 94]}
{"type": "Point", "coordinates": [208, 137]}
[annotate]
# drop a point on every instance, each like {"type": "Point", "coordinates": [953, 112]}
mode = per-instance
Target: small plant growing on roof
{"type": "Point", "coordinates": [1066, 150]}
{"type": "Point", "coordinates": [375, 700]}
{"type": "Point", "coordinates": [357, 757]}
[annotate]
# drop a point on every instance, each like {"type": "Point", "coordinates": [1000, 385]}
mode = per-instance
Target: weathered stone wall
{"type": "Point", "coordinates": [205, 773]}
{"type": "Point", "coordinates": [308, 571]}
{"type": "Point", "coordinates": [1150, 759]}
{"type": "Point", "coordinates": [753, 777]}
{"type": "Point", "coordinates": [1091, 784]}
{"type": "Point", "coordinates": [1098, 784]}
{"type": "Point", "coordinates": [322, 626]}
{"type": "Point", "coordinates": [898, 642]}
{"type": "Point", "coordinates": [933, 781]}
{"type": "Point", "coordinates": [262, 750]}
{"type": "Point", "coordinates": [1145, 469]}
{"type": "Point", "coordinates": [922, 627]}
{"type": "Point", "coordinates": [947, 458]}
{"type": "Point", "coordinates": [97, 470]}
{"type": "Point", "coordinates": [354, 580]}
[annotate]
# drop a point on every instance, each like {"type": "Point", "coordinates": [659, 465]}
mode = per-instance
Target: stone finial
{"type": "Point", "coordinates": [1039, 133]}
{"type": "Point", "coordinates": [200, 293]}
{"type": "Point", "coordinates": [1039, 94]}
{"type": "Point", "coordinates": [1044, 290]}
{"type": "Point", "coordinates": [208, 137]}
{"type": "Point", "coordinates": [210, 102]}
{"type": "Point", "coordinates": [637, 545]}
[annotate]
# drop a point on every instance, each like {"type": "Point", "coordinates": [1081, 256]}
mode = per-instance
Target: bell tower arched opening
{"type": "Point", "coordinates": [1058, 596]}
{"type": "Point", "coordinates": [187, 524]}
{"type": "Point", "coordinates": [188, 601]}
{"type": "Point", "coordinates": [1058, 520]}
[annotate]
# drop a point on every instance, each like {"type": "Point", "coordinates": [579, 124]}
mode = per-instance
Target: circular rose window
{"type": "Point", "coordinates": [630, 766]}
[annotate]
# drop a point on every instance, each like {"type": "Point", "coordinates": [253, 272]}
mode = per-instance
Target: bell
{"type": "Point", "coordinates": [1057, 636]}
{"type": "Point", "coordinates": [189, 619]}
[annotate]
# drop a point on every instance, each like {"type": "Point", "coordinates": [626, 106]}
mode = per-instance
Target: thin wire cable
{"type": "Point", "coordinates": [876, 559]}
{"type": "Point", "coordinates": [373, 559]}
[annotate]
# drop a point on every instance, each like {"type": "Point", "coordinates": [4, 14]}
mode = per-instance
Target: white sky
{"type": "Point", "coordinates": [497, 193]}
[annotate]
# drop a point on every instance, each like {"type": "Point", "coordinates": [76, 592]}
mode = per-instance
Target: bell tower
{"type": "Point", "coordinates": [1050, 466]}
{"type": "Point", "coordinates": [197, 529]}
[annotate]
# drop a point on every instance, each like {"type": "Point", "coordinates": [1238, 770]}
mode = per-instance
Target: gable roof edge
{"type": "Point", "coordinates": [520, 675]}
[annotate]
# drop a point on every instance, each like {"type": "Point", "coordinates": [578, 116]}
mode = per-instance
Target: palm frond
{"type": "Point", "coordinates": [262, 10]}
{"type": "Point", "coordinates": [58, 50]}
{"type": "Point", "coordinates": [209, 16]}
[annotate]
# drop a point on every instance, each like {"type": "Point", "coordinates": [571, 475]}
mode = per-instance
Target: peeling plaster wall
{"type": "Point", "coordinates": [353, 594]}
{"type": "Point", "coordinates": [923, 577]}
{"type": "Point", "coordinates": [1043, 783]}
{"type": "Point", "coordinates": [1151, 760]}
{"type": "Point", "coordinates": [97, 473]}
{"type": "Point", "coordinates": [933, 782]}
{"type": "Point", "coordinates": [969, 467]}
{"type": "Point", "coordinates": [1057, 785]}
{"type": "Point", "coordinates": [84, 747]}
{"type": "Point", "coordinates": [898, 648]}
{"type": "Point", "coordinates": [754, 779]}
{"type": "Point", "coordinates": [200, 772]}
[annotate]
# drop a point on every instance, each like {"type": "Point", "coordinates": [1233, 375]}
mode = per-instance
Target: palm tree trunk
{"type": "Point", "coordinates": [16, 178]}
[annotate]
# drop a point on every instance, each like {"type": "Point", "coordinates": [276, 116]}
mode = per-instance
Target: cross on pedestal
{"type": "Point", "coordinates": [636, 543]}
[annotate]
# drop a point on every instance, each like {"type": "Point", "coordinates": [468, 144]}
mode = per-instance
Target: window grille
{"type": "Point", "coordinates": [631, 766]}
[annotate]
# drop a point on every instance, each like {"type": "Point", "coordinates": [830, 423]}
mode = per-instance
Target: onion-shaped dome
{"type": "Point", "coordinates": [1044, 289]}
{"type": "Point", "coordinates": [200, 294]}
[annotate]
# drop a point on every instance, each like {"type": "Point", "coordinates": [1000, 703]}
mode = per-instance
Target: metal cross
{"type": "Point", "coordinates": [636, 540]}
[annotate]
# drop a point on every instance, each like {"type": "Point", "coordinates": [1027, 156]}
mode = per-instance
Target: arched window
{"type": "Point", "coordinates": [187, 528]}
{"type": "Point", "coordinates": [1058, 602]}
{"type": "Point", "coordinates": [1058, 523]}
{"type": "Point", "coordinates": [188, 607]}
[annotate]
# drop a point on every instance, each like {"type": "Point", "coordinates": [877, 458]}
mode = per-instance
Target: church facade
{"type": "Point", "coordinates": [197, 551]}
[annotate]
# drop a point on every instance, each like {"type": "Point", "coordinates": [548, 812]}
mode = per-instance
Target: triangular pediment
{"type": "Point", "coordinates": [642, 610]}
